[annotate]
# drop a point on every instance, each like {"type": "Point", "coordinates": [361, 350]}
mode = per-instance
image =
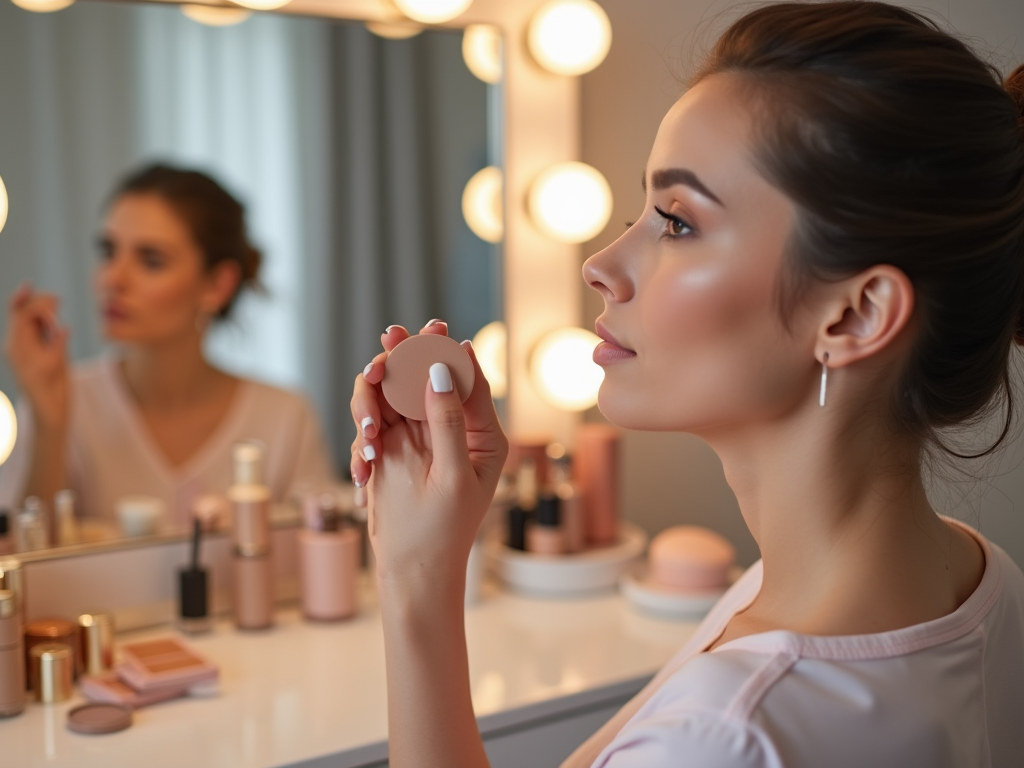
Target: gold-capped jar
{"type": "Point", "coordinates": [50, 671]}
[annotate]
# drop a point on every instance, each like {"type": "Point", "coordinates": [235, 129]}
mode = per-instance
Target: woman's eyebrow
{"type": "Point", "coordinates": [669, 177]}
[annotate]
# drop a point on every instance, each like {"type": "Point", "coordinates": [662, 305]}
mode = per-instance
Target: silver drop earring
{"type": "Point", "coordinates": [824, 380]}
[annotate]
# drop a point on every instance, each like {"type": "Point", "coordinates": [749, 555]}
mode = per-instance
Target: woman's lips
{"type": "Point", "coordinates": [607, 353]}
{"type": "Point", "coordinates": [114, 314]}
{"type": "Point", "coordinates": [609, 350]}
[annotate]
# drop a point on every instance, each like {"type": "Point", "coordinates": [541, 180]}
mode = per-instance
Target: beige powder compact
{"type": "Point", "coordinates": [408, 370]}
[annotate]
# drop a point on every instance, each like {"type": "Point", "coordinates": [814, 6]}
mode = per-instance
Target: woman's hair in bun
{"type": "Point", "coordinates": [898, 146]}
{"type": "Point", "coordinates": [215, 218]}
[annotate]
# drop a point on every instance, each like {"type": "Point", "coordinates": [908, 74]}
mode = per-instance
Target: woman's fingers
{"type": "Point", "coordinates": [446, 420]}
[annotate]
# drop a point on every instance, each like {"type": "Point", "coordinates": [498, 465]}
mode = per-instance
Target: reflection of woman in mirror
{"type": "Point", "coordinates": [154, 417]}
{"type": "Point", "coordinates": [840, 192]}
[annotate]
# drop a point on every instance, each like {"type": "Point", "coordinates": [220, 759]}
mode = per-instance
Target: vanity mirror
{"type": "Point", "coordinates": [350, 151]}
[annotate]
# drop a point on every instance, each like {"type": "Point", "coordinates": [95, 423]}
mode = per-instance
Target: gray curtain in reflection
{"type": "Point", "coordinates": [408, 129]}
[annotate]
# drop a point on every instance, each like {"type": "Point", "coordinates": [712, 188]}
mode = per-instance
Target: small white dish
{"type": "Point", "coordinates": [595, 570]}
{"type": "Point", "coordinates": [651, 598]}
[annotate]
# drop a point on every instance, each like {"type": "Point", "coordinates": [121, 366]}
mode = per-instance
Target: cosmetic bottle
{"type": "Point", "coordinates": [253, 589]}
{"type": "Point", "coordinates": [12, 657]}
{"type": "Point", "coordinates": [12, 579]}
{"type": "Point", "coordinates": [193, 590]}
{"type": "Point", "coordinates": [51, 672]}
{"type": "Point", "coordinates": [32, 531]}
{"type": "Point", "coordinates": [544, 534]}
{"type": "Point", "coordinates": [570, 504]}
{"type": "Point", "coordinates": [596, 473]}
{"type": "Point", "coordinates": [6, 539]}
{"type": "Point", "coordinates": [329, 557]}
{"type": "Point", "coordinates": [61, 632]}
{"type": "Point", "coordinates": [64, 510]}
{"type": "Point", "coordinates": [526, 493]}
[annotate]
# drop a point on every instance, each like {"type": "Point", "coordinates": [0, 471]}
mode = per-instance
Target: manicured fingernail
{"type": "Point", "coordinates": [389, 329]}
{"type": "Point", "coordinates": [357, 482]}
{"type": "Point", "coordinates": [369, 452]}
{"type": "Point", "coordinates": [367, 369]}
{"type": "Point", "coordinates": [467, 343]}
{"type": "Point", "coordinates": [440, 378]}
{"type": "Point", "coordinates": [367, 423]}
{"type": "Point", "coordinates": [435, 321]}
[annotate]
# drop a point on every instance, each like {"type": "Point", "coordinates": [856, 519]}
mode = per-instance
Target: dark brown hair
{"type": "Point", "coordinates": [899, 146]}
{"type": "Point", "coordinates": [214, 217]}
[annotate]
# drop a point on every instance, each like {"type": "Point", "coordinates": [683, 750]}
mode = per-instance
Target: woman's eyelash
{"type": "Point", "coordinates": [674, 220]}
{"type": "Point", "coordinates": [630, 224]}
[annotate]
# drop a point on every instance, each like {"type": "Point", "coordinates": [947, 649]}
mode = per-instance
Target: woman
{"type": "Point", "coordinates": [829, 268]}
{"type": "Point", "coordinates": [154, 417]}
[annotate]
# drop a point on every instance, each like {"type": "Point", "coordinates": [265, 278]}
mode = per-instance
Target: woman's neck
{"type": "Point", "coordinates": [169, 375]}
{"type": "Point", "coordinates": [849, 540]}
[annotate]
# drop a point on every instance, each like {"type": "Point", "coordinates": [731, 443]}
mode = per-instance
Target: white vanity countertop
{"type": "Point", "coordinates": [304, 690]}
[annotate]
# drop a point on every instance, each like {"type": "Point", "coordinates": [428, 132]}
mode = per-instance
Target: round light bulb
{"type": "Point", "coordinates": [491, 347]}
{"type": "Point", "coordinates": [8, 428]}
{"type": "Point", "coordinates": [215, 15]}
{"type": "Point", "coordinates": [3, 205]}
{"type": "Point", "coordinates": [43, 6]}
{"type": "Point", "coordinates": [481, 204]}
{"type": "Point", "coordinates": [563, 369]}
{"type": "Point", "coordinates": [432, 11]}
{"type": "Point", "coordinates": [570, 202]}
{"type": "Point", "coordinates": [262, 5]}
{"type": "Point", "coordinates": [401, 30]}
{"type": "Point", "coordinates": [481, 50]}
{"type": "Point", "coordinates": [570, 37]}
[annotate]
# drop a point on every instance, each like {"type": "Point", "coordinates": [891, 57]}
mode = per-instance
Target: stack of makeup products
{"type": "Point", "coordinates": [564, 504]}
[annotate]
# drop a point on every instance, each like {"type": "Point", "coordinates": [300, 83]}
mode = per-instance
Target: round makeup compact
{"type": "Point", "coordinates": [99, 718]}
{"type": "Point", "coordinates": [690, 558]}
{"type": "Point", "coordinates": [408, 370]}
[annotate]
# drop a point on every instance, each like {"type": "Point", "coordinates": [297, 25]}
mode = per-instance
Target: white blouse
{"type": "Point", "coordinates": [948, 693]}
{"type": "Point", "coordinates": [110, 453]}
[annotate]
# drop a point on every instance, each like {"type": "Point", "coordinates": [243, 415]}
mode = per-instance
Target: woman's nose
{"type": "Point", "coordinates": [607, 273]}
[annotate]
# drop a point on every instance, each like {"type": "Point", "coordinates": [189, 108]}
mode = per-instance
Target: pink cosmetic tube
{"type": "Point", "coordinates": [596, 471]}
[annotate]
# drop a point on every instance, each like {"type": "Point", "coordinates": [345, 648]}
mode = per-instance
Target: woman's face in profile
{"type": "Point", "coordinates": [151, 281]}
{"type": "Point", "coordinates": [690, 288]}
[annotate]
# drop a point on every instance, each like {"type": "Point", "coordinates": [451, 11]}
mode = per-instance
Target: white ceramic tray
{"type": "Point", "coordinates": [648, 597]}
{"type": "Point", "coordinates": [595, 570]}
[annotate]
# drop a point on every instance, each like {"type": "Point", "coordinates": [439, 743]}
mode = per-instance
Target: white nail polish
{"type": "Point", "coordinates": [389, 328]}
{"type": "Point", "coordinates": [435, 321]}
{"type": "Point", "coordinates": [440, 378]}
{"type": "Point", "coordinates": [369, 452]}
{"type": "Point", "coordinates": [357, 482]}
{"type": "Point", "coordinates": [367, 369]}
{"type": "Point", "coordinates": [366, 424]}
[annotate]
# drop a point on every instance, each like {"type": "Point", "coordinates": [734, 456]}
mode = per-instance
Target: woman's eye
{"type": "Point", "coordinates": [152, 260]}
{"type": "Point", "coordinates": [674, 226]}
{"type": "Point", "coordinates": [104, 249]}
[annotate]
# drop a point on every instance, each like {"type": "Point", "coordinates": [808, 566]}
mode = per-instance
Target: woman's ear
{"type": "Point", "coordinates": [865, 315]}
{"type": "Point", "coordinates": [222, 284]}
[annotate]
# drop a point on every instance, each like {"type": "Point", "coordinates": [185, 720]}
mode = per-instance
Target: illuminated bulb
{"type": "Point", "coordinates": [43, 6]}
{"type": "Point", "coordinates": [432, 11]}
{"type": "Point", "coordinates": [570, 37]}
{"type": "Point", "coordinates": [570, 202]}
{"type": "Point", "coordinates": [216, 15]}
{"type": "Point", "coordinates": [263, 5]}
{"type": "Point", "coordinates": [3, 205]}
{"type": "Point", "coordinates": [491, 347]}
{"type": "Point", "coordinates": [8, 428]}
{"type": "Point", "coordinates": [563, 369]}
{"type": "Point", "coordinates": [481, 50]}
{"type": "Point", "coordinates": [390, 30]}
{"type": "Point", "coordinates": [481, 204]}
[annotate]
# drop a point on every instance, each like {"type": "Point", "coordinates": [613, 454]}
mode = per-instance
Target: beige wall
{"type": "Point", "coordinates": [670, 478]}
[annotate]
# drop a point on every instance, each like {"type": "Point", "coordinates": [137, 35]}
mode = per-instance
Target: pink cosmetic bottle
{"type": "Point", "coordinates": [253, 588]}
{"type": "Point", "coordinates": [12, 656]}
{"type": "Point", "coordinates": [329, 559]}
{"type": "Point", "coordinates": [596, 470]}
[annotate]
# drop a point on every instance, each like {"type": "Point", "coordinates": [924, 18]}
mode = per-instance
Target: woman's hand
{"type": "Point", "coordinates": [36, 346]}
{"type": "Point", "coordinates": [429, 483]}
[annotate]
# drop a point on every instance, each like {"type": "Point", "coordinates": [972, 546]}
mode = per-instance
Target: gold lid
{"type": "Point", "coordinates": [51, 669]}
{"type": "Point", "coordinates": [8, 604]}
{"type": "Point", "coordinates": [97, 642]}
